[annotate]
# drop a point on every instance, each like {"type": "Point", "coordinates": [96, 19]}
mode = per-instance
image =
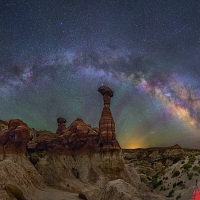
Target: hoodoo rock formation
{"type": "Point", "coordinates": [77, 161]}
{"type": "Point", "coordinates": [61, 125]}
{"type": "Point", "coordinates": [79, 135]}
{"type": "Point", "coordinates": [15, 138]}
{"type": "Point", "coordinates": [107, 138]}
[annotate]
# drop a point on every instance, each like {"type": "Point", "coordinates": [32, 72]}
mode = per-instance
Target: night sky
{"type": "Point", "coordinates": [55, 54]}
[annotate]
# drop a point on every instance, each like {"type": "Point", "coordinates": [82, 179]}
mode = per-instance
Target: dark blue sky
{"type": "Point", "coordinates": [55, 54]}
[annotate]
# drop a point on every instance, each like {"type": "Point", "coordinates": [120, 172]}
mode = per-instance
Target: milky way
{"type": "Point", "coordinates": [55, 54]}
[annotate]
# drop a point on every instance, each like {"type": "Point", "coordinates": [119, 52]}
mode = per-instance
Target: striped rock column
{"type": "Point", "coordinates": [106, 123]}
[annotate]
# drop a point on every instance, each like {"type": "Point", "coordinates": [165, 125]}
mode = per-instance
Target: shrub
{"type": "Point", "coordinates": [154, 180]}
{"type": "Point", "coordinates": [187, 166]}
{"type": "Point", "coordinates": [176, 173]}
{"type": "Point", "coordinates": [171, 193]}
{"type": "Point", "coordinates": [178, 197]}
{"type": "Point", "coordinates": [191, 159]}
{"type": "Point", "coordinates": [190, 175]}
{"type": "Point", "coordinates": [180, 183]}
{"type": "Point", "coordinates": [183, 162]}
{"type": "Point", "coordinates": [176, 159]}
{"type": "Point", "coordinates": [174, 185]}
{"type": "Point", "coordinates": [155, 175]}
{"type": "Point", "coordinates": [195, 168]}
{"type": "Point", "coordinates": [156, 183]}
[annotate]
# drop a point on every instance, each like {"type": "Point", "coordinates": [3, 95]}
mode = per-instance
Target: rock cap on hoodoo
{"type": "Point", "coordinates": [106, 90]}
{"type": "Point", "coordinates": [61, 120]}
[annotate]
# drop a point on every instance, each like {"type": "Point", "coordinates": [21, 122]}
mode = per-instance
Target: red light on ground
{"type": "Point", "coordinates": [196, 195]}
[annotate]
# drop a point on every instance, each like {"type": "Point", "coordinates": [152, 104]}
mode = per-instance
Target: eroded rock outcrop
{"type": "Point", "coordinates": [78, 136]}
{"type": "Point", "coordinates": [3, 125]}
{"type": "Point", "coordinates": [16, 169]}
{"type": "Point", "coordinates": [73, 172]}
{"type": "Point", "coordinates": [174, 150]}
{"type": "Point", "coordinates": [119, 189]}
{"type": "Point", "coordinates": [15, 138]}
{"type": "Point", "coordinates": [78, 158]}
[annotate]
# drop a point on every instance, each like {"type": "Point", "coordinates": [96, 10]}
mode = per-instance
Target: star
{"type": "Point", "coordinates": [54, 56]}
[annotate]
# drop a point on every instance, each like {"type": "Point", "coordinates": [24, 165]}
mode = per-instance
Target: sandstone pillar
{"type": "Point", "coordinates": [61, 125]}
{"type": "Point", "coordinates": [106, 123]}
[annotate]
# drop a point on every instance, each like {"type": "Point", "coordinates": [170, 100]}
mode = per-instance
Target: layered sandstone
{"type": "Point", "coordinates": [78, 136]}
{"type": "Point", "coordinates": [15, 138]}
{"type": "Point", "coordinates": [62, 161]}
{"type": "Point", "coordinates": [107, 134]}
{"type": "Point", "coordinates": [85, 161]}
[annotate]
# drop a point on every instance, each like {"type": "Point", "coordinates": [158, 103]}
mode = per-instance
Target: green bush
{"type": "Point", "coordinates": [155, 175]}
{"type": "Point", "coordinates": [171, 193]}
{"type": "Point", "coordinates": [191, 159]}
{"type": "Point", "coordinates": [183, 162]}
{"type": "Point", "coordinates": [156, 183]}
{"type": "Point", "coordinates": [190, 175]}
{"type": "Point", "coordinates": [180, 183]}
{"type": "Point", "coordinates": [175, 173]}
{"type": "Point", "coordinates": [174, 185]}
{"type": "Point", "coordinates": [195, 168]}
{"type": "Point", "coordinates": [176, 159]}
{"type": "Point", "coordinates": [187, 166]}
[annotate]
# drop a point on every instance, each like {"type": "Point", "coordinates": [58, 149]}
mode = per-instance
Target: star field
{"type": "Point", "coordinates": [55, 55]}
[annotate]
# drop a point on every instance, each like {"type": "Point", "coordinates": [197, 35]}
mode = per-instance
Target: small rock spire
{"type": "Point", "coordinates": [61, 125]}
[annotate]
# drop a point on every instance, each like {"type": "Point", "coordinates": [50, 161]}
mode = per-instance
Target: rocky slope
{"type": "Point", "coordinates": [171, 171]}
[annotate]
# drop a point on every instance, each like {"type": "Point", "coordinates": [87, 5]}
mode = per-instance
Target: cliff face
{"type": "Point", "coordinates": [18, 171]}
{"type": "Point", "coordinates": [15, 138]}
{"type": "Point", "coordinates": [73, 157]}
{"type": "Point", "coordinates": [72, 172]}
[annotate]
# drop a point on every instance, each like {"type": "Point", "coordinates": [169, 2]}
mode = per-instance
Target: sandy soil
{"type": "Point", "coordinates": [52, 194]}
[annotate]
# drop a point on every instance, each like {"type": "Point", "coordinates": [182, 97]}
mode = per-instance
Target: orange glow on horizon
{"type": "Point", "coordinates": [134, 146]}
